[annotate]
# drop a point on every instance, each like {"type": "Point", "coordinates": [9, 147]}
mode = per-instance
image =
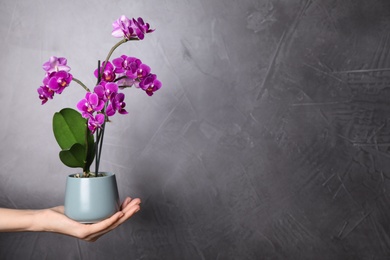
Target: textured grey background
{"type": "Point", "coordinates": [269, 139]}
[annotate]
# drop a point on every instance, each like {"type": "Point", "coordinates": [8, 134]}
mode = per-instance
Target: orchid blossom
{"type": "Point", "coordinates": [104, 101]}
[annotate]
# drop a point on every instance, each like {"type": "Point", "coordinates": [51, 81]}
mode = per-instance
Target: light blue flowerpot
{"type": "Point", "coordinates": [90, 200]}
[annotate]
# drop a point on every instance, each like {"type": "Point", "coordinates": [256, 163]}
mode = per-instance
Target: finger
{"type": "Point", "coordinates": [130, 212]}
{"type": "Point", "coordinates": [125, 202]}
{"type": "Point", "coordinates": [103, 225]}
{"type": "Point", "coordinates": [127, 211]}
{"type": "Point", "coordinates": [94, 231]}
{"type": "Point", "coordinates": [132, 203]}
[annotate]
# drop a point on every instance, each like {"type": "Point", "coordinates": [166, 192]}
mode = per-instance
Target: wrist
{"type": "Point", "coordinates": [36, 223]}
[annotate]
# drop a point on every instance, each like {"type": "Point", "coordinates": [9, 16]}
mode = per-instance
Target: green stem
{"type": "Point", "coordinates": [112, 50]}
{"type": "Point", "coordinates": [81, 84]}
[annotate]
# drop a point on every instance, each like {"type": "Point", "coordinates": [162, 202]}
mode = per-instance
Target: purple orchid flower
{"type": "Point", "coordinates": [104, 101]}
{"type": "Point", "coordinates": [56, 64]}
{"type": "Point", "coordinates": [141, 28]}
{"type": "Point", "coordinates": [57, 78]}
{"type": "Point", "coordinates": [90, 104]}
{"type": "Point", "coordinates": [121, 28]}
{"type": "Point", "coordinates": [127, 65]}
{"type": "Point", "coordinates": [117, 104]}
{"type": "Point", "coordinates": [108, 74]}
{"type": "Point", "coordinates": [58, 81]}
{"type": "Point", "coordinates": [130, 28]}
{"type": "Point", "coordinates": [106, 90]}
{"type": "Point", "coordinates": [45, 94]}
{"type": "Point", "coordinates": [95, 122]}
{"type": "Point", "coordinates": [143, 71]}
{"type": "Point", "coordinates": [150, 84]}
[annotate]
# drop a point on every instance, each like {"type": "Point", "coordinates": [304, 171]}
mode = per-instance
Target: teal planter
{"type": "Point", "coordinates": [90, 200]}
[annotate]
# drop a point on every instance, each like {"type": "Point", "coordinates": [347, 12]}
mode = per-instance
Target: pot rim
{"type": "Point", "coordinates": [107, 174]}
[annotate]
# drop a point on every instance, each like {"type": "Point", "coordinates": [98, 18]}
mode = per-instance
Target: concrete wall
{"type": "Point", "coordinates": [268, 140]}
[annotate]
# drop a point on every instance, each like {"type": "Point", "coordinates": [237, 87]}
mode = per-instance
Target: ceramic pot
{"type": "Point", "coordinates": [90, 200]}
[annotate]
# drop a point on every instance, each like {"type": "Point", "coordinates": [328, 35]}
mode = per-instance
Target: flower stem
{"type": "Point", "coordinates": [112, 50]}
{"type": "Point", "coordinates": [97, 153]}
{"type": "Point", "coordinates": [81, 84]}
{"type": "Point", "coordinates": [100, 132]}
{"type": "Point", "coordinates": [99, 146]}
{"type": "Point", "coordinates": [86, 168]}
{"type": "Point", "coordinates": [123, 77]}
{"type": "Point", "coordinates": [97, 159]}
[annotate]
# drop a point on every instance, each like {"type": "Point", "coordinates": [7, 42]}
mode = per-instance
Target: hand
{"type": "Point", "coordinates": [54, 220]}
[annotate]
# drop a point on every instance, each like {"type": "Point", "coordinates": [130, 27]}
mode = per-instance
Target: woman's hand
{"type": "Point", "coordinates": [54, 220]}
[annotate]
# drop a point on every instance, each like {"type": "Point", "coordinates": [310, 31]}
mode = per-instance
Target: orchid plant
{"type": "Point", "coordinates": [80, 133]}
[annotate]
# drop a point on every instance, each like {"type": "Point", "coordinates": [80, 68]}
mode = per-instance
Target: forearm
{"type": "Point", "coordinates": [54, 220]}
{"type": "Point", "coordinates": [12, 220]}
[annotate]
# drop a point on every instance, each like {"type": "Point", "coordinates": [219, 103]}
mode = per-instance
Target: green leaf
{"type": "Point", "coordinates": [69, 128]}
{"type": "Point", "coordinates": [73, 136]}
{"type": "Point", "coordinates": [73, 157]}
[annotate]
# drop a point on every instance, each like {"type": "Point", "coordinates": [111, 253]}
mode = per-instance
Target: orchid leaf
{"type": "Point", "coordinates": [73, 157]}
{"type": "Point", "coordinates": [72, 135]}
{"type": "Point", "coordinates": [69, 128]}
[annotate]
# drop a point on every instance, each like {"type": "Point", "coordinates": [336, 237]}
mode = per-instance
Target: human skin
{"type": "Point", "coordinates": [54, 220]}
